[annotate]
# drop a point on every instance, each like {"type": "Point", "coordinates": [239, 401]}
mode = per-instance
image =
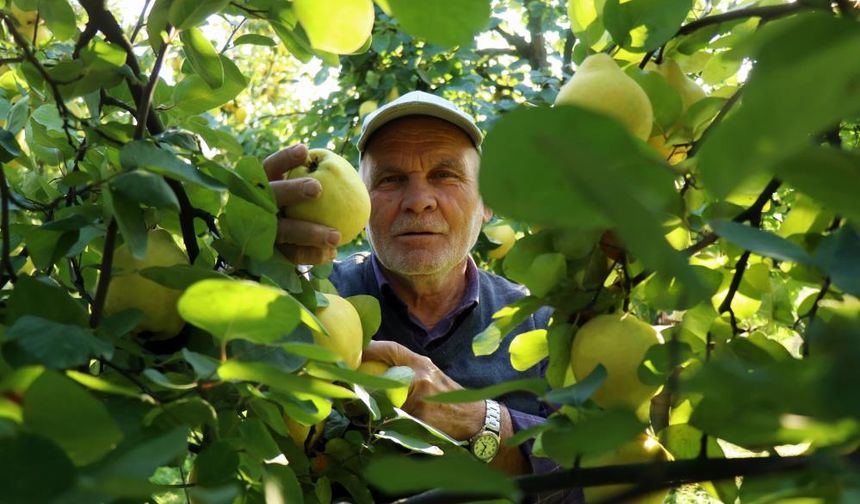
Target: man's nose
{"type": "Point", "coordinates": [419, 197]}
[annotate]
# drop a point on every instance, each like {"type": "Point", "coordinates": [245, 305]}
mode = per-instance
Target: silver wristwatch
{"type": "Point", "coordinates": [485, 444]}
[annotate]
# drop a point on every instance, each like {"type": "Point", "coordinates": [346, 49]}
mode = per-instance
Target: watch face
{"type": "Point", "coordinates": [485, 447]}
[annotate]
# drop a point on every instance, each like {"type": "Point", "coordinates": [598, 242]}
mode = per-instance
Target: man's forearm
{"type": "Point", "coordinates": [510, 458]}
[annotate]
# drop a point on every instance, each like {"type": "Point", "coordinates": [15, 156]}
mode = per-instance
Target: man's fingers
{"type": "Point", "coordinates": [285, 159]}
{"type": "Point", "coordinates": [299, 254]}
{"type": "Point", "coordinates": [290, 192]}
{"type": "Point", "coordinates": [391, 353]}
{"type": "Point", "coordinates": [305, 233]}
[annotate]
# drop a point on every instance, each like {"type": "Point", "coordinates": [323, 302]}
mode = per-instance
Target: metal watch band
{"type": "Point", "coordinates": [493, 418]}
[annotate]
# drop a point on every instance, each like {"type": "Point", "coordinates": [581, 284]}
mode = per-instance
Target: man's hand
{"type": "Point", "coordinates": [302, 242]}
{"type": "Point", "coordinates": [460, 421]}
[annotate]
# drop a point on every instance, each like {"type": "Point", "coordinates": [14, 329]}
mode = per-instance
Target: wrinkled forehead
{"type": "Point", "coordinates": [430, 139]}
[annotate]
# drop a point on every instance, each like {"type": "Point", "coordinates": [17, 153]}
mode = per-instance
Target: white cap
{"type": "Point", "coordinates": [419, 103]}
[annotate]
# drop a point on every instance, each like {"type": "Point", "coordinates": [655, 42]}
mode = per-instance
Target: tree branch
{"type": "Point", "coordinates": [651, 476]}
{"type": "Point", "coordinates": [765, 13]}
{"type": "Point", "coordinates": [4, 228]}
{"type": "Point", "coordinates": [104, 275]}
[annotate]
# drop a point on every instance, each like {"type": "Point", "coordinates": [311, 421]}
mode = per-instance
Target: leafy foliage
{"type": "Point", "coordinates": [734, 228]}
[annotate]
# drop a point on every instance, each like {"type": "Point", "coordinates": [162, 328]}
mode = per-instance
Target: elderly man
{"type": "Point", "coordinates": [420, 161]}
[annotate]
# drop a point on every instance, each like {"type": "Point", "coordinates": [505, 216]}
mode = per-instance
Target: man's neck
{"type": "Point", "coordinates": [430, 297]}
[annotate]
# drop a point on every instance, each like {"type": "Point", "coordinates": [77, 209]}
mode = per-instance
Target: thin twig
{"type": "Point", "coordinates": [104, 274]}
{"type": "Point", "coordinates": [4, 227]}
{"type": "Point", "coordinates": [232, 34]}
{"type": "Point", "coordinates": [143, 106]}
{"type": "Point", "coordinates": [140, 22]}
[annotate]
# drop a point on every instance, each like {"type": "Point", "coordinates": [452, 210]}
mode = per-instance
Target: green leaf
{"type": "Point", "coordinates": [156, 24]}
{"type": "Point", "coordinates": [282, 479]}
{"type": "Point", "coordinates": [145, 155]}
{"type": "Point", "coordinates": [159, 378]}
{"type": "Point", "coordinates": [34, 340]}
{"type": "Point", "coordinates": [203, 57]}
{"type": "Point", "coordinates": [563, 148]}
{"type": "Point", "coordinates": [105, 386]}
{"type": "Point", "coordinates": [205, 367]}
{"type": "Point", "coordinates": [761, 242]}
{"type": "Point", "coordinates": [252, 228]}
{"type": "Point", "coordinates": [9, 148]}
{"type": "Point", "coordinates": [580, 392]}
{"type": "Point", "coordinates": [814, 52]}
{"type": "Point", "coordinates": [279, 380]}
{"type": "Point", "coordinates": [831, 176]}
{"type": "Point", "coordinates": [311, 351]}
{"type": "Point", "coordinates": [43, 299]}
{"type": "Point", "coordinates": [370, 314]}
{"type": "Point", "coordinates": [585, 20]}
{"type": "Point", "coordinates": [59, 17]}
{"type": "Point", "coordinates": [254, 39]}
{"type": "Point", "coordinates": [837, 255]}
{"type": "Point", "coordinates": [599, 433]}
{"type": "Point", "coordinates": [193, 95]}
{"type": "Point", "coordinates": [130, 221]}
{"type": "Point", "coordinates": [295, 42]}
{"type": "Point", "coordinates": [146, 455]}
{"type": "Point", "coordinates": [217, 464]}
{"type": "Point", "coordinates": [533, 263]}
{"type": "Point", "coordinates": [644, 25]}
{"type": "Point", "coordinates": [399, 475]}
{"type": "Point", "coordinates": [234, 309]}
{"type": "Point", "coordinates": [504, 321]}
{"type": "Point", "coordinates": [528, 349]}
{"type": "Point", "coordinates": [145, 188]}
{"type": "Point", "coordinates": [665, 100]}
{"type": "Point", "coordinates": [79, 423]}
{"type": "Point", "coordinates": [444, 22]}
{"type": "Point", "coordinates": [33, 469]}
{"type": "Point", "coordinates": [336, 26]}
{"type": "Point", "coordinates": [535, 386]}
{"type": "Point", "coordinates": [184, 14]}
{"type": "Point", "coordinates": [330, 372]}
{"type": "Point", "coordinates": [180, 276]}
{"type": "Point", "coordinates": [409, 442]}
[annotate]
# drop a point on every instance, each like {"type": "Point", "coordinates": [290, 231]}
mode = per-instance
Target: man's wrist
{"type": "Point", "coordinates": [485, 445]}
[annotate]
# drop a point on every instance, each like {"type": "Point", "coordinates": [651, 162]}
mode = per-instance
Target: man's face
{"type": "Point", "coordinates": [426, 213]}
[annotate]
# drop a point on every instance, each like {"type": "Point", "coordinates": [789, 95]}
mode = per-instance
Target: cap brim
{"type": "Point", "coordinates": [384, 115]}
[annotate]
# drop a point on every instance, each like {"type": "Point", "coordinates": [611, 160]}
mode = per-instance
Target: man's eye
{"type": "Point", "coordinates": [390, 179]}
{"type": "Point", "coordinates": [444, 174]}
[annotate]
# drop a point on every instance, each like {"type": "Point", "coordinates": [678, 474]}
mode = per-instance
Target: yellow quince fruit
{"type": "Point", "coordinates": [502, 233]}
{"type": "Point", "coordinates": [344, 203]}
{"type": "Point", "coordinates": [129, 289]}
{"type": "Point", "coordinates": [398, 395]}
{"type": "Point", "coordinates": [600, 85]}
{"type": "Point", "coordinates": [345, 335]}
{"type": "Point", "coordinates": [619, 342]}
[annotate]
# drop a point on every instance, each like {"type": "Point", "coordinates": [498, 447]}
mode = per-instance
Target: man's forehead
{"type": "Point", "coordinates": [419, 129]}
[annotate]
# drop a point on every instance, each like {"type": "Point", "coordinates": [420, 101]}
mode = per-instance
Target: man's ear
{"type": "Point", "coordinates": [488, 214]}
